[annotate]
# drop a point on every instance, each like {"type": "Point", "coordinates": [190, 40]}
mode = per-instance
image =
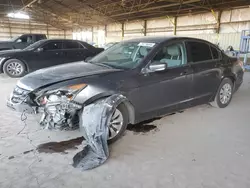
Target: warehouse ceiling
{"type": "Point", "coordinates": [81, 13]}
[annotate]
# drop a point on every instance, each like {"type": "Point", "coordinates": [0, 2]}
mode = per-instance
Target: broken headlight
{"type": "Point", "coordinates": [68, 91]}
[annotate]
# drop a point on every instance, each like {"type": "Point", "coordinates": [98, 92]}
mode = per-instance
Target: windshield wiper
{"type": "Point", "coordinates": [102, 64]}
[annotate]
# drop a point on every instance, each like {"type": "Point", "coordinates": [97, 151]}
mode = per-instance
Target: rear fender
{"type": "Point", "coordinates": [230, 76]}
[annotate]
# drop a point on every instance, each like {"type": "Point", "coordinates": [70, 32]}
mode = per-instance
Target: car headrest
{"type": "Point", "coordinates": [174, 50]}
{"type": "Point", "coordinates": [143, 51]}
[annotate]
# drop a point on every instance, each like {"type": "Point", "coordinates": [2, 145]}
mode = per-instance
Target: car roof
{"type": "Point", "coordinates": [33, 34]}
{"type": "Point", "coordinates": [163, 39]}
{"type": "Point", "coordinates": [54, 40]}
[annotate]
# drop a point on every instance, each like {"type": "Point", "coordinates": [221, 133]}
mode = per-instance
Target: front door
{"type": "Point", "coordinates": [164, 91]}
{"type": "Point", "coordinates": [204, 59]}
{"type": "Point", "coordinates": [51, 54]}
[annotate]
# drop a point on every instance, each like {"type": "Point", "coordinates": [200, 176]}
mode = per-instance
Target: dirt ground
{"type": "Point", "coordinates": [202, 147]}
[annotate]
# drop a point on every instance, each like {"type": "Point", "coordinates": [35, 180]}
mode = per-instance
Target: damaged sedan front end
{"type": "Point", "coordinates": [58, 108]}
{"type": "Point", "coordinates": [60, 96]}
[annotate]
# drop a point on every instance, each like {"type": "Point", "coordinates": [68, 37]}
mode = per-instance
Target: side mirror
{"type": "Point", "coordinates": [40, 50]}
{"type": "Point", "coordinates": [157, 67]}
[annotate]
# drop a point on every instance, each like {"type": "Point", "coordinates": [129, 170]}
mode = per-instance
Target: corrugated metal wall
{"type": "Point", "coordinates": [10, 28]}
{"type": "Point", "coordinates": [200, 26]}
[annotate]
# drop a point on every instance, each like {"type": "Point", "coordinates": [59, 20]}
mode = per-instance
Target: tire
{"type": "Point", "coordinates": [224, 94]}
{"type": "Point", "coordinates": [18, 68]}
{"type": "Point", "coordinates": [124, 112]}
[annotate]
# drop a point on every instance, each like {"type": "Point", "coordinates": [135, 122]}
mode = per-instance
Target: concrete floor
{"type": "Point", "coordinates": [202, 147]}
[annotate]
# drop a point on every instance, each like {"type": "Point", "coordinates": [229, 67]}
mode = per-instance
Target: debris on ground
{"type": "Point", "coordinates": [60, 147]}
{"type": "Point", "coordinates": [143, 127]}
{"type": "Point", "coordinates": [11, 157]}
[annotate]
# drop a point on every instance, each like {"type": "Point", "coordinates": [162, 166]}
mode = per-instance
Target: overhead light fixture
{"type": "Point", "coordinates": [18, 15]}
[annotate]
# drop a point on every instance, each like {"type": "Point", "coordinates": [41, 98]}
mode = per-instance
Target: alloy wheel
{"type": "Point", "coordinates": [115, 124]}
{"type": "Point", "coordinates": [225, 93]}
{"type": "Point", "coordinates": [15, 68]}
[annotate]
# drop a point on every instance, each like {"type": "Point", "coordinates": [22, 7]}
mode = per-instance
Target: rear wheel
{"type": "Point", "coordinates": [224, 94]}
{"type": "Point", "coordinates": [118, 123]}
{"type": "Point", "coordinates": [14, 68]}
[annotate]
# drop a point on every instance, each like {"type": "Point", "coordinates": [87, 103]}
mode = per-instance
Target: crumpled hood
{"type": "Point", "coordinates": [61, 73]}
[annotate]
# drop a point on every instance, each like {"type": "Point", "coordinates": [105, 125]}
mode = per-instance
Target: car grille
{"type": "Point", "coordinates": [19, 95]}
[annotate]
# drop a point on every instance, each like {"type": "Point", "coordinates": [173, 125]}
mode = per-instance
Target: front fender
{"type": "Point", "coordinates": [91, 94]}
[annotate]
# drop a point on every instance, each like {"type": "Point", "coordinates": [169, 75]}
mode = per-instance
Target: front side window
{"type": "Point", "coordinates": [173, 55]}
{"type": "Point", "coordinates": [52, 46]}
{"type": "Point", "coordinates": [124, 55]}
{"type": "Point", "coordinates": [35, 45]}
{"type": "Point", "coordinates": [199, 51]}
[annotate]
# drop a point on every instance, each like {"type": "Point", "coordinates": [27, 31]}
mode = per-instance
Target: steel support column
{"type": "Point", "coordinates": [218, 22]}
{"type": "Point", "coordinates": [122, 30]}
{"type": "Point", "coordinates": [145, 28]}
{"type": "Point", "coordinates": [175, 25]}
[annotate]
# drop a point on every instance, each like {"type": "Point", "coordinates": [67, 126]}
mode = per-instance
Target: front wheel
{"type": "Point", "coordinates": [118, 123]}
{"type": "Point", "coordinates": [224, 94]}
{"type": "Point", "coordinates": [14, 68]}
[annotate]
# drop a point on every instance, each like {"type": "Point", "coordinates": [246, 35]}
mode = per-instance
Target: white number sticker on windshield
{"type": "Point", "coordinates": [146, 44]}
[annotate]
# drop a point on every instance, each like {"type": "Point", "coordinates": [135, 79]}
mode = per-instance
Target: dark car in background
{"type": "Point", "coordinates": [45, 53]}
{"type": "Point", "coordinates": [21, 42]}
{"type": "Point", "coordinates": [156, 76]}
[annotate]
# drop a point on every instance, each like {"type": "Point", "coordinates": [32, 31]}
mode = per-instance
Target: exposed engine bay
{"type": "Point", "coordinates": [59, 112]}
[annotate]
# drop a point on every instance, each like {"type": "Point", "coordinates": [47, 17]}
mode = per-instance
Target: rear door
{"type": "Point", "coordinates": [206, 71]}
{"type": "Point", "coordinates": [75, 51]}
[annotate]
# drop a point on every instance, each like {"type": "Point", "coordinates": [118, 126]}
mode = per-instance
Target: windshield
{"type": "Point", "coordinates": [14, 38]}
{"type": "Point", "coordinates": [124, 55]}
{"type": "Point", "coordinates": [35, 45]}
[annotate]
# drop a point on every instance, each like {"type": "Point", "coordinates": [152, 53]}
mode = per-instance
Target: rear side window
{"type": "Point", "coordinates": [53, 46]}
{"type": "Point", "coordinates": [215, 53]}
{"type": "Point", "coordinates": [199, 51]}
{"type": "Point", "coordinates": [72, 45]}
